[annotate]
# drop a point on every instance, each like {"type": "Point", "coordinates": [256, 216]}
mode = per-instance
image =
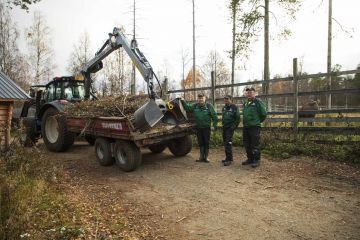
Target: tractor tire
{"type": "Point", "coordinates": [127, 155]}
{"type": "Point", "coordinates": [103, 152]}
{"type": "Point", "coordinates": [180, 146]}
{"type": "Point", "coordinates": [54, 131]}
{"type": "Point", "coordinates": [158, 148]}
{"type": "Point", "coordinates": [28, 132]}
{"type": "Point", "coordinates": [90, 139]}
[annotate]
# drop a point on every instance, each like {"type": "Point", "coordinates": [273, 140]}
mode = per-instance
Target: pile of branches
{"type": "Point", "coordinates": [122, 106]}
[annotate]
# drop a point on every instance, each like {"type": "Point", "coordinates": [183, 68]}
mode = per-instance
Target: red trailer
{"type": "Point", "coordinates": [117, 140]}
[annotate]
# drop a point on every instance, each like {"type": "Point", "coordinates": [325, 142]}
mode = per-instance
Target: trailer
{"type": "Point", "coordinates": [116, 140]}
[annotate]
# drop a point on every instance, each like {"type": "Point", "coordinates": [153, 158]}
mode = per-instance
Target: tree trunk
{"type": "Point", "coordinates": [329, 53]}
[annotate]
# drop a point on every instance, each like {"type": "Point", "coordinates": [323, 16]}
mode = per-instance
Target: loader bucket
{"type": "Point", "coordinates": [149, 114]}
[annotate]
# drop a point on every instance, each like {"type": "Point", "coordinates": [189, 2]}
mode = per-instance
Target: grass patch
{"type": "Point", "coordinates": [281, 145]}
{"type": "Point", "coordinates": [31, 207]}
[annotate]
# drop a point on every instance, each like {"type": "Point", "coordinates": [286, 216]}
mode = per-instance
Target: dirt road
{"type": "Point", "coordinates": [177, 198]}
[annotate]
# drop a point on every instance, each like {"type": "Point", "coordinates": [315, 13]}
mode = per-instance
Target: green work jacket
{"type": "Point", "coordinates": [254, 112]}
{"type": "Point", "coordinates": [203, 114]}
{"type": "Point", "coordinates": [230, 116]}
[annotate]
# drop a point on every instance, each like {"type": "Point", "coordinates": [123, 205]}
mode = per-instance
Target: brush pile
{"type": "Point", "coordinates": [121, 106]}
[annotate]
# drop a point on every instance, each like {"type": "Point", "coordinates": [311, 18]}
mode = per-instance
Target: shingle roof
{"type": "Point", "coordinates": [9, 90]}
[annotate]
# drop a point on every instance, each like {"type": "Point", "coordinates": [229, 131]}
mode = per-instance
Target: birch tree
{"type": "Point", "coordinates": [41, 54]}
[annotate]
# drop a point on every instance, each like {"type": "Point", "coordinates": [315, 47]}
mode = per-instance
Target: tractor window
{"type": "Point", "coordinates": [49, 95]}
{"type": "Point", "coordinates": [74, 91]}
{"type": "Point", "coordinates": [58, 92]}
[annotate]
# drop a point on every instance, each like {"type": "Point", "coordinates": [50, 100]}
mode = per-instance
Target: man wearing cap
{"type": "Point", "coordinates": [230, 121]}
{"type": "Point", "coordinates": [204, 114]}
{"type": "Point", "coordinates": [254, 112]}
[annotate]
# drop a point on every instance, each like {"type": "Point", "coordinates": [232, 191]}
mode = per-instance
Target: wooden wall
{"type": "Point", "coordinates": [5, 123]}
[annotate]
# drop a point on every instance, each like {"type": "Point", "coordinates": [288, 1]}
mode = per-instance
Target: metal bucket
{"type": "Point", "coordinates": [149, 114]}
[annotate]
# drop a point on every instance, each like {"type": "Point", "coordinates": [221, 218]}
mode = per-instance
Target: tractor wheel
{"type": "Point", "coordinates": [180, 146]}
{"type": "Point", "coordinates": [158, 148]}
{"type": "Point", "coordinates": [127, 155]}
{"type": "Point", "coordinates": [103, 152]}
{"type": "Point", "coordinates": [54, 131]}
{"type": "Point", "coordinates": [28, 131]}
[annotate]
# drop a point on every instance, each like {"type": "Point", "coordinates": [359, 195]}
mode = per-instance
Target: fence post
{"type": "Point", "coordinates": [296, 99]}
{"type": "Point", "coordinates": [165, 95]}
{"type": "Point", "coordinates": [213, 88]}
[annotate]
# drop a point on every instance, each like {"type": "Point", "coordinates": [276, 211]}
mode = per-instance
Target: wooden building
{"type": "Point", "coordinates": [9, 93]}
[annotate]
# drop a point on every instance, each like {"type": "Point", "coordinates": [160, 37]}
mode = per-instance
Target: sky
{"type": "Point", "coordinates": [164, 28]}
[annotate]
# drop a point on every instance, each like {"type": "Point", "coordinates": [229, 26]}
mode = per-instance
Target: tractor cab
{"type": "Point", "coordinates": [64, 88]}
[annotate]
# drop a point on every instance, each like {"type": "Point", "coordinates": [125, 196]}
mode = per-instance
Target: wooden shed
{"type": "Point", "coordinates": [9, 93]}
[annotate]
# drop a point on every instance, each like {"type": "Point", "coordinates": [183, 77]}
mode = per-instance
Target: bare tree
{"type": "Point", "coordinates": [23, 4]}
{"type": "Point", "coordinates": [12, 62]}
{"type": "Point", "coordinates": [81, 54]}
{"type": "Point", "coordinates": [117, 72]}
{"type": "Point", "coordinates": [41, 54]}
{"type": "Point", "coordinates": [217, 64]}
{"type": "Point", "coordinates": [234, 8]}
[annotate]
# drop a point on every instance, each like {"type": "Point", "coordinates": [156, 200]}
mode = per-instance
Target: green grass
{"type": "Point", "coordinates": [282, 145]}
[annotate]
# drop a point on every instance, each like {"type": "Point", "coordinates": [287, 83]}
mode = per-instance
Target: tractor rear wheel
{"type": "Point", "coordinates": [54, 131]}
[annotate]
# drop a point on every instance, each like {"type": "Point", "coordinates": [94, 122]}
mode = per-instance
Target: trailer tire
{"type": "Point", "coordinates": [180, 146]}
{"type": "Point", "coordinates": [103, 152]}
{"type": "Point", "coordinates": [127, 155]}
{"type": "Point", "coordinates": [54, 131]}
{"type": "Point", "coordinates": [158, 148]}
{"type": "Point", "coordinates": [28, 132]}
{"type": "Point", "coordinates": [90, 139]}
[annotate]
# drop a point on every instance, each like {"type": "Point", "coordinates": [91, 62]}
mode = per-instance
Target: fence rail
{"type": "Point", "coordinates": [350, 123]}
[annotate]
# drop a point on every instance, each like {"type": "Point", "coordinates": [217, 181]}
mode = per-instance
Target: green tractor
{"type": "Point", "coordinates": [40, 116]}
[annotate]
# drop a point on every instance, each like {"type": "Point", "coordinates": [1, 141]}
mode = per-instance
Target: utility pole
{"type": "Point", "coordinates": [133, 85]}
{"type": "Point", "coordinates": [194, 69]}
{"type": "Point", "coordinates": [329, 53]}
{"type": "Point", "coordinates": [266, 55]}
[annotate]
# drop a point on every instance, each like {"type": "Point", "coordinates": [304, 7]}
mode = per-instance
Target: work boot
{"type": "Point", "coordinates": [206, 153]}
{"type": "Point", "coordinates": [247, 162]}
{"type": "Point", "coordinates": [201, 158]}
{"type": "Point", "coordinates": [227, 163]}
{"type": "Point", "coordinates": [255, 164]}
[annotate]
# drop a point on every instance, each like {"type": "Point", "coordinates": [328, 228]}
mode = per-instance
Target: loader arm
{"type": "Point", "coordinates": [116, 40]}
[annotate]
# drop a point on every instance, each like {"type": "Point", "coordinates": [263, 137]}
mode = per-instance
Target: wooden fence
{"type": "Point", "coordinates": [349, 117]}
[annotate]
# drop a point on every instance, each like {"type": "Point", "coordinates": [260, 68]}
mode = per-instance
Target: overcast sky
{"type": "Point", "coordinates": [164, 27]}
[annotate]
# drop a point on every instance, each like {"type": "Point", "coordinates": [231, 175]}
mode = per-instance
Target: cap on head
{"type": "Point", "coordinates": [228, 97]}
{"type": "Point", "coordinates": [201, 95]}
{"type": "Point", "coordinates": [250, 89]}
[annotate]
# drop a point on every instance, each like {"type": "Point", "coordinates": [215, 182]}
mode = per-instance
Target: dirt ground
{"type": "Point", "coordinates": [178, 198]}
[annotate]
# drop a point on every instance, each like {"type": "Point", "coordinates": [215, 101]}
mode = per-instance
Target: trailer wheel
{"type": "Point", "coordinates": [90, 139]}
{"type": "Point", "coordinates": [28, 131]}
{"type": "Point", "coordinates": [158, 148]}
{"type": "Point", "coordinates": [127, 155]}
{"type": "Point", "coordinates": [103, 152]}
{"type": "Point", "coordinates": [180, 146]}
{"type": "Point", "coordinates": [54, 131]}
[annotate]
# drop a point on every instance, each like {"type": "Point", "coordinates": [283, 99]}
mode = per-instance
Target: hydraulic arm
{"type": "Point", "coordinates": [116, 40]}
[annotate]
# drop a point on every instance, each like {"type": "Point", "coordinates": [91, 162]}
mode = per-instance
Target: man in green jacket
{"type": "Point", "coordinates": [230, 121]}
{"type": "Point", "coordinates": [254, 113]}
{"type": "Point", "coordinates": [204, 114]}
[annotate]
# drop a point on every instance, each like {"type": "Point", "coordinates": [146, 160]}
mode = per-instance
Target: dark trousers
{"type": "Point", "coordinates": [203, 137]}
{"type": "Point", "coordinates": [227, 135]}
{"type": "Point", "coordinates": [251, 138]}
